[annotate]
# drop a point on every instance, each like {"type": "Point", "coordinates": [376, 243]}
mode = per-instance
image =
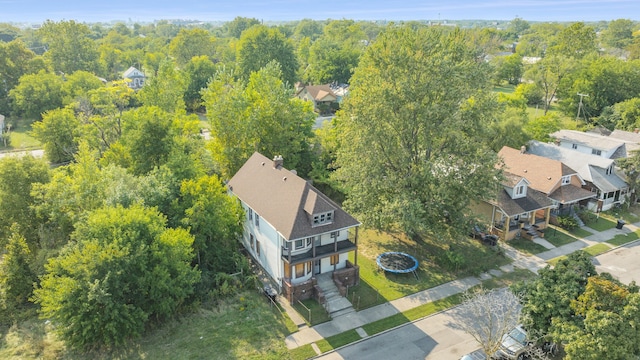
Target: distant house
{"type": "Point", "coordinates": [135, 78]}
{"type": "Point", "coordinates": [322, 96]}
{"type": "Point", "coordinates": [516, 207]}
{"type": "Point", "coordinates": [560, 183]}
{"type": "Point", "coordinates": [293, 230]}
{"type": "Point", "coordinates": [590, 143]}
{"type": "Point", "coordinates": [630, 139]}
{"type": "Point", "coordinates": [598, 173]}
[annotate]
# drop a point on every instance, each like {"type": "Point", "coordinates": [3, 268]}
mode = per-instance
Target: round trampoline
{"type": "Point", "coordinates": [397, 262]}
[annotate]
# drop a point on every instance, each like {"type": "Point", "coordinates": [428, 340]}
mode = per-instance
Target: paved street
{"type": "Point", "coordinates": [434, 337]}
{"type": "Point", "coordinates": [622, 263]}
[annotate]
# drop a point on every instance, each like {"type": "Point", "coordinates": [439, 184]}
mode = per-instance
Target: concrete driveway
{"type": "Point", "coordinates": [434, 337]}
{"type": "Point", "coordinates": [622, 263]}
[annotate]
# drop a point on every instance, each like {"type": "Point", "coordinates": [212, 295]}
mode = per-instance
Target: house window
{"type": "Point", "coordinates": [309, 240]}
{"type": "Point", "coordinates": [299, 244]}
{"type": "Point", "coordinates": [574, 146]}
{"type": "Point", "coordinates": [520, 190]}
{"type": "Point", "coordinates": [250, 214]}
{"type": "Point", "coordinates": [285, 245]}
{"type": "Point", "coordinates": [596, 152]}
{"type": "Point", "coordinates": [324, 218]}
{"type": "Point", "coordinates": [335, 259]}
{"type": "Point", "coordinates": [299, 270]}
{"type": "Point", "coordinates": [257, 220]}
{"type": "Point", "coordinates": [258, 247]}
{"type": "Point", "coordinates": [251, 241]}
{"type": "Point", "coordinates": [609, 170]}
{"type": "Point", "coordinates": [309, 267]}
{"type": "Point", "coordinates": [335, 234]}
{"type": "Point", "coordinates": [566, 180]}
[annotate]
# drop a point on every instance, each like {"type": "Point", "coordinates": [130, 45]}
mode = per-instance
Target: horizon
{"type": "Point", "coordinates": [38, 11]}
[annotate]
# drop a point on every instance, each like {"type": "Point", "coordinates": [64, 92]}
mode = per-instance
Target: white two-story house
{"type": "Point", "coordinates": [293, 230]}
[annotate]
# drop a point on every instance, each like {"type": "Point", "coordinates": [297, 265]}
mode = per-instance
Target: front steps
{"type": "Point", "coordinates": [335, 304]}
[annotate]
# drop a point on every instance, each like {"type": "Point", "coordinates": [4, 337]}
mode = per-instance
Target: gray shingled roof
{"type": "Point", "coordinates": [285, 200]}
{"type": "Point", "coordinates": [535, 200]}
{"type": "Point", "coordinates": [595, 141]}
{"type": "Point", "coordinates": [591, 168]}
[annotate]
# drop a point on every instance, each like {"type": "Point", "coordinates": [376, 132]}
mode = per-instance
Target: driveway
{"type": "Point", "coordinates": [622, 263]}
{"type": "Point", "coordinates": [434, 337]}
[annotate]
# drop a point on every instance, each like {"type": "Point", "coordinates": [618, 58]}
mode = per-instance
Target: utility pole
{"type": "Point", "coordinates": [580, 106]}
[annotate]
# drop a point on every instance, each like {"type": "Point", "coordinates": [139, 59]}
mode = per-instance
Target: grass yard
{"type": "Point", "coordinates": [602, 224]}
{"type": "Point", "coordinates": [558, 237]}
{"type": "Point", "coordinates": [312, 312]}
{"type": "Point", "coordinates": [338, 340]}
{"type": "Point", "coordinates": [507, 89]}
{"type": "Point", "coordinates": [508, 279]}
{"type": "Point", "coordinates": [440, 262]}
{"type": "Point", "coordinates": [20, 137]}
{"type": "Point", "coordinates": [597, 249]}
{"type": "Point", "coordinates": [527, 246]}
{"type": "Point", "coordinates": [622, 239]}
{"type": "Point", "coordinates": [242, 327]}
{"type": "Point", "coordinates": [629, 215]}
{"type": "Point", "coordinates": [364, 296]}
{"type": "Point", "coordinates": [579, 232]}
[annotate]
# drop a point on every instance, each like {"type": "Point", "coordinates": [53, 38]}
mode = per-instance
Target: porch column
{"type": "Point", "coordinates": [547, 216]}
{"type": "Point", "coordinates": [355, 253]}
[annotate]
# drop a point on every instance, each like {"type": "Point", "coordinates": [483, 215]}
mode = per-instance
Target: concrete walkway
{"type": "Point", "coordinates": [355, 320]}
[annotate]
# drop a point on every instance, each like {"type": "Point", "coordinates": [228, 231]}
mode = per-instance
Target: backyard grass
{"type": "Point", "coordinates": [312, 312]}
{"type": "Point", "coordinates": [335, 341]}
{"type": "Point", "coordinates": [622, 239]}
{"type": "Point", "coordinates": [440, 261]}
{"type": "Point", "coordinates": [21, 138]}
{"type": "Point", "coordinates": [527, 246]}
{"type": "Point", "coordinates": [596, 249]}
{"type": "Point", "coordinates": [602, 224]}
{"type": "Point", "coordinates": [507, 89]}
{"type": "Point", "coordinates": [558, 237]}
{"type": "Point", "coordinates": [245, 326]}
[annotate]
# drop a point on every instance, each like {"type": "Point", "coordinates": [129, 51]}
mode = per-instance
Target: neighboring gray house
{"type": "Point", "coordinates": [598, 172]}
{"type": "Point", "coordinates": [631, 139]}
{"type": "Point", "coordinates": [590, 143]}
{"type": "Point", "coordinates": [293, 230]}
{"type": "Point", "coordinates": [135, 78]}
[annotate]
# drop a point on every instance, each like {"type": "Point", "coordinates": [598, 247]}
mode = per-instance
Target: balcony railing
{"type": "Point", "coordinates": [320, 252]}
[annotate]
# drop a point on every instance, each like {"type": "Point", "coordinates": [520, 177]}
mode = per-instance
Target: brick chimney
{"type": "Point", "coordinates": [278, 162]}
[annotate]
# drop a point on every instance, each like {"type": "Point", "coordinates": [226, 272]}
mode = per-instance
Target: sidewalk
{"type": "Point", "coordinates": [355, 320]}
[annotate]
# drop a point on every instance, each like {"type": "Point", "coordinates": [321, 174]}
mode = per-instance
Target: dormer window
{"type": "Point", "coordinates": [596, 152]}
{"type": "Point", "coordinates": [323, 218]}
{"type": "Point", "coordinates": [609, 170]}
{"type": "Point", "coordinates": [520, 190]}
{"type": "Point", "coordinates": [566, 180]}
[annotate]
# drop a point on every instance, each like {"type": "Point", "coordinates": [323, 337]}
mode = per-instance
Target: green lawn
{"type": "Point", "coordinates": [302, 353]}
{"type": "Point", "coordinates": [21, 139]}
{"type": "Point", "coordinates": [622, 239]}
{"type": "Point", "coordinates": [602, 224]}
{"type": "Point", "coordinates": [527, 246]}
{"type": "Point", "coordinates": [558, 237]}
{"type": "Point", "coordinates": [312, 312]}
{"type": "Point", "coordinates": [440, 262]}
{"type": "Point", "coordinates": [507, 89]}
{"type": "Point", "coordinates": [596, 249]}
{"type": "Point", "coordinates": [336, 341]}
{"type": "Point", "coordinates": [363, 296]}
{"type": "Point", "coordinates": [243, 327]}
{"type": "Point", "coordinates": [508, 279]}
{"type": "Point", "coordinates": [580, 232]}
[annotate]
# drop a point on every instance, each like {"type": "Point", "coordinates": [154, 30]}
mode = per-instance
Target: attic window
{"type": "Point", "coordinates": [520, 190]}
{"type": "Point", "coordinates": [566, 180]}
{"type": "Point", "coordinates": [596, 152]}
{"type": "Point", "coordinates": [323, 218]}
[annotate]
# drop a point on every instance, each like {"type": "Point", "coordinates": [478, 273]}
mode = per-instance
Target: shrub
{"type": "Point", "coordinates": [567, 222]}
{"type": "Point", "coordinates": [587, 217]}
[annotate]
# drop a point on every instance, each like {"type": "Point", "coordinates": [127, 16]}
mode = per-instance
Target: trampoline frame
{"type": "Point", "coordinates": [400, 271]}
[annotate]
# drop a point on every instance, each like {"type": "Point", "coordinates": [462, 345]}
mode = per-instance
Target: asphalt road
{"type": "Point", "coordinates": [435, 337]}
{"type": "Point", "coordinates": [622, 263]}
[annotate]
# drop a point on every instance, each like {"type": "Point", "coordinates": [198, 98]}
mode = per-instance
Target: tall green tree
{"type": "Point", "coordinates": [191, 42]}
{"type": "Point", "coordinates": [412, 152]}
{"type": "Point", "coordinates": [259, 116]}
{"type": "Point", "coordinates": [19, 176]}
{"type": "Point", "coordinates": [199, 71]}
{"type": "Point", "coordinates": [166, 89]}
{"type": "Point", "coordinates": [258, 46]}
{"type": "Point", "coordinates": [618, 33]}
{"type": "Point", "coordinates": [15, 60]}
{"type": "Point", "coordinates": [69, 46]}
{"type": "Point", "coordinates": [36, 94]}
{"type": "Point", "coordinates": [124, 269]}
{"type": "Point", "coordinates": [547, 74]}
{"type": "Point", "coordinates": [237, 26]}
{"type": "Point", "coordinates": [575, 41]}
{"type": "Point", "coordinates": [78, 84]}
{"type": "Point", "coordinates": [16, 276]}
{"type": "Point", "coordinates": [59, 132]}
{"type": "Point", "coordinates": [508, 68]}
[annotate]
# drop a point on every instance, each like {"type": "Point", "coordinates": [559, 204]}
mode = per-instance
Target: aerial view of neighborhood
{"type": "Point", "coordinates": [283, 180]}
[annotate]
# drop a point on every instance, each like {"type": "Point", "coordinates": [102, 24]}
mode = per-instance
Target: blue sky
{"type": "Point", "coordinates": [148, 10]}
